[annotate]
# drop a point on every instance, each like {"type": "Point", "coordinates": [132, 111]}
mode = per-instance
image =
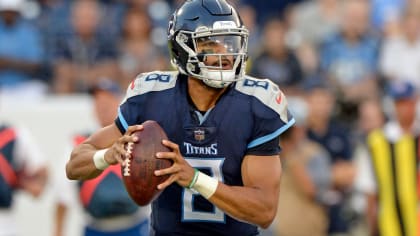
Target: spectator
{"type": "Point", "coordinates": [268, 9]}
{"type": "Point", "coordinates": [21, 51]}
{"type": "Point", "coordinates": [314, 21]}
{"type": "Point", "coordinates": [159, 12]}
{"type": "Point", "coordinates": [249, 18]}
{"type": "Point", "coordinates": [370, 117]}
{"type": "Point", "coordinates": [391, 183]}
{"type": "Point", "coordinates": [400, 59]}
{"type": "Point", "coordinates": [308, 57]}
{"type": "Point", "coordinates": [22, 167]}
{"type": "Point", "coordinates": [111, 21]}
{"type": "Point", "coordinates": [276, 61]}
{"type": "Point", "coordinates": [49, 11]}
{"type": "Point", "coordinates": [109, 209]}
{"type": "Point", "coordinates": [137, 52]}
{"type": "Point", "coordinates": [350, 57]}
{"type": "Point", "coordinates": [386, 15]}
{"type": "Point", "coordinates": [82, 55]}
{"type": "Point", "coordinates": [335, 138]}
{"type": "Point", "coordinates": [305, 181]}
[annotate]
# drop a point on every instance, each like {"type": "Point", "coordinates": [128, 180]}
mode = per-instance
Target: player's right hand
{"type": "Point", "coordinates": [117, 152]}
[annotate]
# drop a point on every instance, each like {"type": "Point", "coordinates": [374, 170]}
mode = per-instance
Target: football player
{"type": "Point", "coordinates": [223, 129]}
{"type": "Point", "coordinates": [22, 167]}
{"type": "Point", "coordinates": [109, 210]}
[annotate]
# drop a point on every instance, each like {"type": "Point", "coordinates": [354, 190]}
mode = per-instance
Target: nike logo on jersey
{"type": "Point", "coordinates": [132, 85]}
{"type": "Point", "coordinates": [278, 98]}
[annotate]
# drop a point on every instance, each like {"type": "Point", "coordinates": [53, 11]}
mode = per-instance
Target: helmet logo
{"type": "Point", "coordinates": [202, 29]}
{"type": "Point", "coordinates": [224, 25]}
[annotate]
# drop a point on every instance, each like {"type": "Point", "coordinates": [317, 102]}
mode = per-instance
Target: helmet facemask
{"type": "Point", "coordinates": [216, 56]}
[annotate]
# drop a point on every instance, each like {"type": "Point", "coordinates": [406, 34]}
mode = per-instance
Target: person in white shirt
{"type": "Point", "coordinates": [400, 59]}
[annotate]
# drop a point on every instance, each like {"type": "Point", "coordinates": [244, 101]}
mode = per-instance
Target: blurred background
{"type": "Point", "coordinates": [337, 61]}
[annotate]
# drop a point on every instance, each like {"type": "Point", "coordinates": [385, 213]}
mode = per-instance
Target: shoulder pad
{"type": "Point", "coordinates": [265, 91]}
{"type": "Point", "coordinates": [150, 82]}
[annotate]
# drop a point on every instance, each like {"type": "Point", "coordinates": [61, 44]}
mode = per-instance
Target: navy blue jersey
{"type": "Point", "coordinates": [105, 196]}
{"type": "Point", "coordinates": [250, 113]}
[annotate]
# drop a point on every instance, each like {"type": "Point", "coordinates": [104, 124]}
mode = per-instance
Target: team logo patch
{"type": "Point", "coordinates": [199, 134]}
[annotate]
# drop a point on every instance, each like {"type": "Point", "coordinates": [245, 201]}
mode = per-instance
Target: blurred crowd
{"type": "Point", "coordinates": [347, 66]}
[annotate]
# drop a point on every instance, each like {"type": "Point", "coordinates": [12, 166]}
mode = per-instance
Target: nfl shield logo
{"type": "Point", "coordinates": [199, 135]}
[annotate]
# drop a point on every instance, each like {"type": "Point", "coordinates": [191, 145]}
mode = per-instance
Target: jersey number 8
{"type": "Point", "coordinates": [188, 212]}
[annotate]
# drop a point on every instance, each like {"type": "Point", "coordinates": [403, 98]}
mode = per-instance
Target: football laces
{"type": "Point", "coordinates": [127, 160]}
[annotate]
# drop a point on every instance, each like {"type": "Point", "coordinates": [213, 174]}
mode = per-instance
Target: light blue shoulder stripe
{"type": "Point", "coordinates": [269, 137]}
{"type": "Point", "coordinates": [122, 120]}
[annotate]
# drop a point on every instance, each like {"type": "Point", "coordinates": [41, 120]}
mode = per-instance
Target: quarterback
{"type": "Point", "coordinates": [223, 129]}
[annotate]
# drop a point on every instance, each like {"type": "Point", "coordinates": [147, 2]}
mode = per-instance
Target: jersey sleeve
{"type": "Point", "coordinates": [269, 148]}
{"type": "Point", "coordinates": [131, 108]}
{"type": "Point", "coordinates": [123, 114]}
{"type": "Point", "coordinates": [270, 127]}
{"type": "Point", "coordinates": [269, 107]}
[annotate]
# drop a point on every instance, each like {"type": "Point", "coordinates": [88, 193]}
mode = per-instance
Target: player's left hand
{"type": "Point", "coordinates": [180, 172]}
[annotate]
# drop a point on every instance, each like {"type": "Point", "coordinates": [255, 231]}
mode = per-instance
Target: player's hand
{"type": "Point", "coordinates": [117, 153]}
{"type": "Point", "coordinates": [33, 183]}
{"type": "Point", "coordinates": [180, 172]}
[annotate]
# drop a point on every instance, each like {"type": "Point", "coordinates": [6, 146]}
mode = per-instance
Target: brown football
{"type": "Point", "coordinates": [138, 173]}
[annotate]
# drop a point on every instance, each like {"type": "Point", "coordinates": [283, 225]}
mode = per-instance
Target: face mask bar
{"type": "Point", "coordinates": [233, 45]}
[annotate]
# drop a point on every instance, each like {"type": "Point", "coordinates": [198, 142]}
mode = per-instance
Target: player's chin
{"type": "Point", "coordinates": [210, 88]}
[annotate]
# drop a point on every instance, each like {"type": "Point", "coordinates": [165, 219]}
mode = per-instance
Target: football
{"type": "Point", "coordinates": [138, 172]}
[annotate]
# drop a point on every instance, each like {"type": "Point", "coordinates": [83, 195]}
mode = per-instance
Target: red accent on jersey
{"type": "Point", "coordinates": [132, 85]}
{"type": "Point", "coordinates": [6, 169]}
{"type": "Point", "coordinates": [6, 136]}
{"type": "Point", "coordinates": [278, 98]}
{"type": "Point", "coordinates": [89, 186]}
{"type": "Point", "coordinates": [7, 172]}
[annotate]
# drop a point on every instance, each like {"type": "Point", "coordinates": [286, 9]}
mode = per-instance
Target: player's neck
{"type": "Point", "coordinates": [203, 96]}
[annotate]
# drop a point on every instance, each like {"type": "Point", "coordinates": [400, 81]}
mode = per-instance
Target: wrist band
{"type": "Point", "coordinates": [194, 179]}
{"type": "Point", "coordinates": [205, 185]}
{"type": "Point", "coordinates": [99, 159]}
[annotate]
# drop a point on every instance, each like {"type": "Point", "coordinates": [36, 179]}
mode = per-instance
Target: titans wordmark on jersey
{"type": "Point", "coordinates": [252, 112]}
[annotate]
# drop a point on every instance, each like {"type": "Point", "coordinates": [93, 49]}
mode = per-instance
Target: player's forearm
{"type": "Point", "coordinates": [81, 164]}
{"type": "Point", "coordinates": [246, 204]}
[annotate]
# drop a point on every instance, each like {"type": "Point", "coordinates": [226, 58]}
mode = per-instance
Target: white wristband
{"type": "Point", "coordinates": [99, 159]}
{"type": "Point", "coordinates": [205, 185]}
